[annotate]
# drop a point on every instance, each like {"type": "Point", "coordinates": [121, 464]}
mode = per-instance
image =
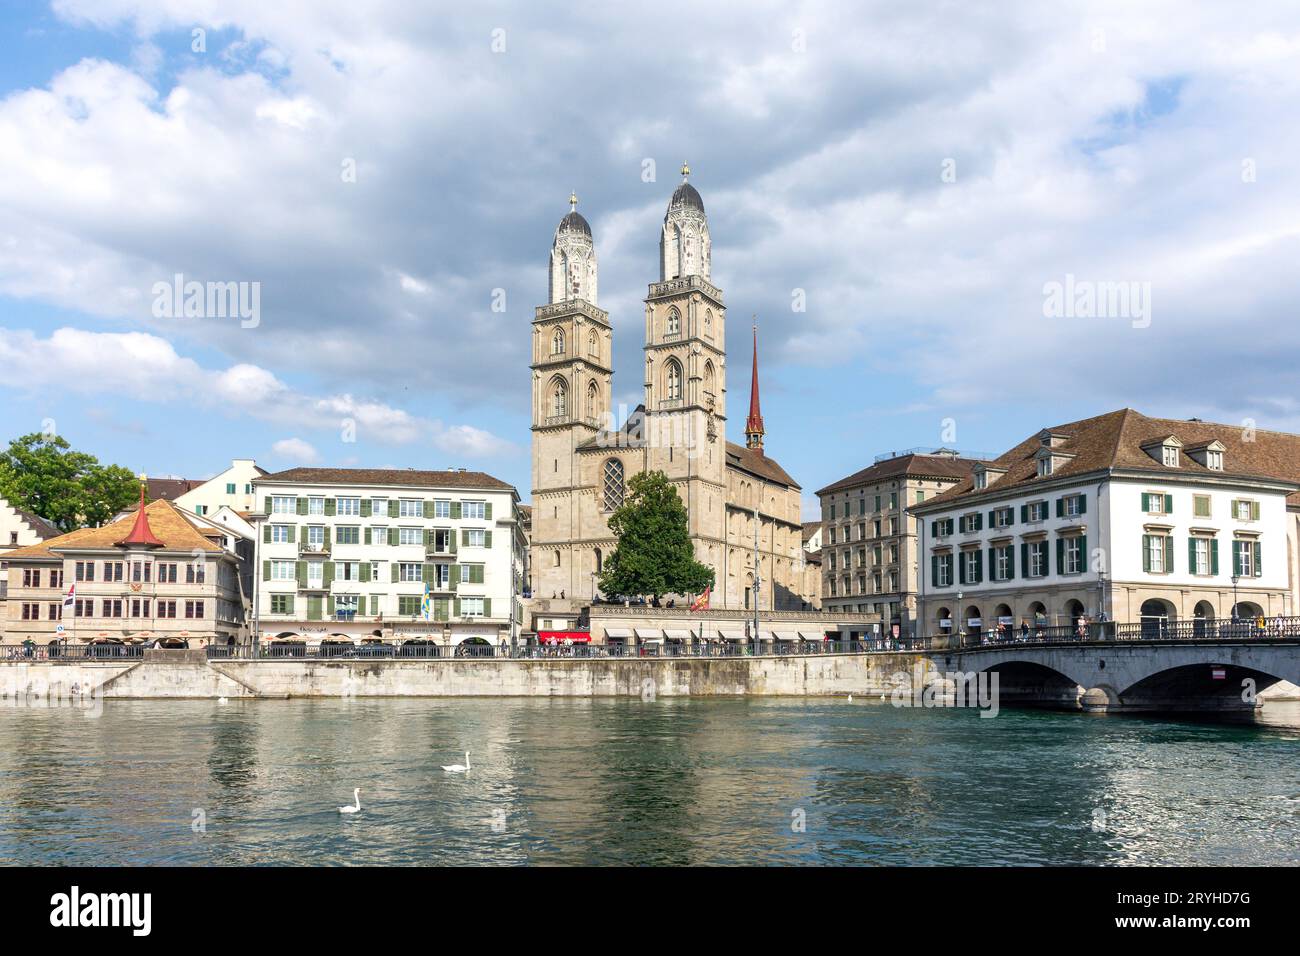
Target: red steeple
{"type": "Point", "coordinates": [754, 424]}
{"type": "Point", "coordinates": [141, 533]}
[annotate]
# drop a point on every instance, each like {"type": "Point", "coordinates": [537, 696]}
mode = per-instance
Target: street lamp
{"type": "Point", "coordinates": [1235, 579]}
{"type": "Point", "coordinates": [957, 612]}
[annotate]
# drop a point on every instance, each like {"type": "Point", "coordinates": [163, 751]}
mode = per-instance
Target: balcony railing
{"type": "Point", "coordinates": [308, 547]}
{"type": "Point", "coordinates": [1151, 629]}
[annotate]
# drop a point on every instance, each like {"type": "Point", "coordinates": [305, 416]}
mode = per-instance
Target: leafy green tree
{"type": "Point", "coordinates": [42, 474]}
{"type": "Point", "coordinates": [654, 554]}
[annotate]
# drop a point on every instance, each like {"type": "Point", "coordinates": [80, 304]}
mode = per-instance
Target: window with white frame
{"type": "Point", "coordinates": [410, 508]}
{"type": "Point", "coordinates": [474, 510]}
{"type": "Point", "coordinates": [1245, 558]}
{"type": "Point", "coordinates": [315, 506]}
{"type": "Point", "coordinates": [1170, 456]}
{"type": "Point", "coordinates": [315, 572]}
{"type": "Point", "coordinates": [1037, 511]}
{"type": "Point", "coordinates": [1073, 505]}
{"type": "Point", "coordinates": [1214, 460]}
{"type": "Point", "coordinates": [282, 571]}
{"type": "Point", "coordinates": [409, 571]}
{"type": "Point", "coordinates": [316, 536]}
{"type": "Point", "coordinates": [410, 536]}
{"type": "Point", "coordinates": [1037, 559]}
{"type": "Point", "coordinates": [279, 534]}
{"type": "Point", "coordinates": [1044, 467]}
{"type": "Point", "coordinates": [379, 507]}
{"type": "Point", "coordinates": [471, 607]}
{"type": "Point", "coordinates": [1002, 563]}
{"type": "Point", "coordinates": [349, 506]}
{"type": "Point", "coordinates": [441, 508]}
{"type": "Point", "coordinates": [1154, 545]}
{"type": "Point", "coordinates": [476, 537]}
{"type": "Point", "coordinates": [1073, 555]}
{"type": "Point", "coordinates": [1200, 555]}
{"type": "Point", "coordinates": [284, 505]}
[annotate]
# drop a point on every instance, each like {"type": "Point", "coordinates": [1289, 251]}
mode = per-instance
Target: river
{"type": "Point", "coordinates": [618, 781]}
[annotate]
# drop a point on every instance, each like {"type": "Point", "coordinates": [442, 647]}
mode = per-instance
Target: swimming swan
{"type": "Point", "coordinates": [356, 795]}
{"type": "Point", "coordinates": [459, 767]}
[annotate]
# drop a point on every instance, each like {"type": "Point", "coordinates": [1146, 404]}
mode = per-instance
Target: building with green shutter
{"type": "Point", "coordinates": [392, 555]}
{"type": "Point", "coordinates": [1139, 518]}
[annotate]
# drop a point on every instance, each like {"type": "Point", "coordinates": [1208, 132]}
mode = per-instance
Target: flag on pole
{"type": "Point", "coordinates": [426, 603]}
{"type": "Point", "coordinates": [70, 598]}
{"type": "Point", "coordinates": [701, 603]}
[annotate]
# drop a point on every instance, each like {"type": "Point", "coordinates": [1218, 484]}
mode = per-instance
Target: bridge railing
{"type": "Point", "coordinates": [1150, 630]}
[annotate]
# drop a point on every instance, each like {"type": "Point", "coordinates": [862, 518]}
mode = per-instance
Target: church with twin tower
{"type": "Point", "coordinates": [583, 458]}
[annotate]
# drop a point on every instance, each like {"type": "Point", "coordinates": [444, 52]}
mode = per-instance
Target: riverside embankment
{"type": "Point", "coordinates": [189, 676]}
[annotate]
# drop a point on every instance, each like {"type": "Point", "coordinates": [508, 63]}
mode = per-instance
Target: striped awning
{"type": "Point", "coordinates": [649, 634]}
{"type": "Point", "coordinates": [679, 635]}
{"type": "Point", "coordinates": [732, 635]}
{"type": "Point", "coordinates": [812, 635]}
{"type": "Point", "coordinates": [786, 635]}
{"type": "Point", "coordinates": [622, 632]}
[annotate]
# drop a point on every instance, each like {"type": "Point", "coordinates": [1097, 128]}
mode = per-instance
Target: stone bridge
{"type": "Point", "coordinates": [1124, 675]}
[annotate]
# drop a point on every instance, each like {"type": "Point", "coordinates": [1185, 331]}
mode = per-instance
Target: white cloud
{"type": "Point", "coordinates": [296, 450]}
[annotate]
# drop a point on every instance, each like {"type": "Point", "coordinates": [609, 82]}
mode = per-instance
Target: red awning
{"type": "Point", "coordinates": [559, 637]}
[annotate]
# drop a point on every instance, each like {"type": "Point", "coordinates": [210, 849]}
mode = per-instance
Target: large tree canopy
{"type": "Point", "coordinates": [43, 475]}
{"type": "Point", "coordinates": [654, 554]}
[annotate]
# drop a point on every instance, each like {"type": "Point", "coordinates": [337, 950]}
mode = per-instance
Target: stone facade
{"type": "Point", "coordinates": [582, 461]}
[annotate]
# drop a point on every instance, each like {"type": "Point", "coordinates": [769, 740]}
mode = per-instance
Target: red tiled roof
{"type": "Point", "coordinates": [911, 466]}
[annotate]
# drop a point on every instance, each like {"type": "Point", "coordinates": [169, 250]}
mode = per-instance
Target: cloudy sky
{"type": "Point", "coordinates": [918, 174]}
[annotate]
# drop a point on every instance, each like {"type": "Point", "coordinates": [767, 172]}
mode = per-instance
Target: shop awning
{"type": "Point", "coordinates": [560, 637]}
{"type": "Point", "coordinates": [812, 635]}
{"type": "Point", "coordinates": [623, 632]}
{"type": "Point", "coordinates": [649, 634]}
{"type": "Point", "coordinates": [732, 635]}
{"type": "Point", "coordinates": [786, 635]}
{"type": "Point", "coordinates": [765, 636]}
{"type": "Point", "coordinates": [679, 635]}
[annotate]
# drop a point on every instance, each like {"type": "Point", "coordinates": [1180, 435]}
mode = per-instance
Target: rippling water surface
{"type": "Point", "coordinates": [566, 781]}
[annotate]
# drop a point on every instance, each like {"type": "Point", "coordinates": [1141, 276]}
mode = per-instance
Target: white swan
{"type": "Point", "coordinates": [356, 795]}
{"type": "Point", "coordinates": [222, 700]}
{"type": "Point", "coordinates": [850, 698]}
{"type": "Point", "coordinates": [459, 767]}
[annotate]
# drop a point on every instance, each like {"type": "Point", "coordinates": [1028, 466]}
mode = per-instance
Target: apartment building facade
{"type": "Point", "coordinates": [151, 575]}
{"type": "Point", "coordinates": [390, 555]}
{"type": "Point", "coordinates": [1136, 518]}
{"type": "Point", "coordinates": [869, 551]}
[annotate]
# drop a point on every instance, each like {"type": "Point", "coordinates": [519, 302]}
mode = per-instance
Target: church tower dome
{"type": "Point", "coordinates": [684, 245]}
{"type": "Point", "coordinates": [573, 258]}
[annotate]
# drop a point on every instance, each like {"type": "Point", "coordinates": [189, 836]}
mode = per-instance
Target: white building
{"type": "Point", "coordinates": [351, 555]}
{"type": "Point", "coordinates": [18, 529]}
{"type": "Point", "coordinates": [233, 489]}
{"type": "Point", "coordinates": [1136, 517]}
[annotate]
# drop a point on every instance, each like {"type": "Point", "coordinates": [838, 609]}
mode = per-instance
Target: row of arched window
{"type": "Point", "coordinates": [559, 343]}
{"type": "Point", "coordinates": [559, 399]}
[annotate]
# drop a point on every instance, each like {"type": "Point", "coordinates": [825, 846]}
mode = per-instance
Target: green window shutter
{"type": "Point", "coordinates": [1060, 507]}
{"type": "Point", "coordinates": [1060, 552]}
{"type": "Point", "coordinates": [302, 506]}
{"type": "Point", "coordinates": [392, 537]}
{"type": "Point", "coordinates": [487, 539]}
{"type": "Point", "coordinates": [266, 570]}
{"type": "Point", "coordinates": [331, 507]}
{"type": "Point", "coordinates": [313, 608]}
{"type": "Point", "coordinates": [993, 518]}
{"type": "Point", "coordinates": [1254, 511]}
{"type": "Point", "coordinates": [329, 604]}
{"type": "Point", "coordinates": [487, 511]}
{"type": "Point", "coordinates": [1259, 567]}
{"type": "Point", "coordinates": [300, 572]}
{"type": "Point", "coordinates": [455, 510]}
{"type": "Point", "coordinates": [1024, 514]}
{"type": "Point", "coordinates": [993, 563]}
{"type": "Point", "coordinates": [266, 534]}
{"type": "Point", "coordinates": [453, 576]}
{"type": "Point", "coordinates": [1146, 553]}
{"type": "Point", "coordinates": [329, 573]}
{"type": "Point", "coordinates": [1083, 504]}
{"type": "Point", "coordinates": [374, 605]}
{"type": "Point", "coordinates": [426, 573]}
{"type": "Point", "coordinates": [366, 535]}
{"type": "Point", "coordinates": [476, 574]}
{"type": "Point", "coordinates": [464, 537]}
{"type": "Point", "coordinates": [1214, 556]}
{"type": "Point", "coordinates": [428, 509]}
{"type": "Point", "coordinates": [1024, 558]}
{"type": "Point", "coordinates": [428, 540]}
{"type": "Point", "coordinates": [1083, 552]}
{"type": "Point", "coordinates": [1169, 554]}
{"type": "Point", "coordinates": [934, 568]}
{"type": "Point", "coordinates": [1236, 558]}
{"type": "Point", "coordinates": [288, 604]}
{"type": "Point", "coordinates": [979, 521]}
{"type": "Point", "coordinates": [451, 536]}
{"type": "Point", "coordinates": [293, 534]}
{"type": "Point", "coordinates": [1169, 504]}
{"type": "Point", "coordinates": [266, 505]}
{"type": "Point", "coordinates": [1146, 502]}
{"type": "Point", "coordinates": [979, 567]}
{"type": "Point", "coordinates": [934, 529]}
{"type": "Point", "coordinates": [455, 605]}
{"type": "Point", "coordinates": [1011, 561]}
{"type": "Point", "coordinates": [365, 571]}
{"type": "Point", "coordinates": [487, 604]}
{"type": "Point", "coordinates": [1191, 555]}
{"type": "Point", "coordinates": [394, 565]}
{"type": "Point", "coordinates": [365, 507]}
{"type": "Point", "coordinates": [961, 568]}
{"type": "Point", "coordinates": [392, 508]}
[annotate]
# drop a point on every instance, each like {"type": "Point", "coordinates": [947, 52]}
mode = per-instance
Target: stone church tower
{"type": "Point", "coordinates": [572, 370]}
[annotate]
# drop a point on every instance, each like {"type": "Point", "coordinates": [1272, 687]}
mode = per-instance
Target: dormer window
{"type": "Point", "coordinates": [1209, 454]}
{"type": "Point", "coordinates": [1164, 450]}
{"type": "Point", "coordinates": [1170, 456]}
{"type": "Point", "coordinates": [981, 480]}
{"type": "Point", "coordinates": [1214, 460]}
{"type": "Point", "coordinates": [1044, 467]}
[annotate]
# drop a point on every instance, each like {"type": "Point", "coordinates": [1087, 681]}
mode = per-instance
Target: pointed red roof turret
{"type": "Point", "coordinates": [141, 534]}
{"type": "Point", "coordinates": [754, 424]}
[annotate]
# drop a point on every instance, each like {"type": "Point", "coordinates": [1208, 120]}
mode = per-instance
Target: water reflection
{"type": "Point", "coordinates": [673, 781]}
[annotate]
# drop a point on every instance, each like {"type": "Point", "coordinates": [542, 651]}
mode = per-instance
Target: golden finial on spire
{"type": "Point", "coordinates": [573, 201]}
{"type": "Point", "coordinates": [686, 171]}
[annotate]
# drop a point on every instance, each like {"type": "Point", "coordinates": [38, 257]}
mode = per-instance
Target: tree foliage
{"type": "Point", "coordinates": [42, 474]}
{"type": "Point", "coordinates": [654, 554]}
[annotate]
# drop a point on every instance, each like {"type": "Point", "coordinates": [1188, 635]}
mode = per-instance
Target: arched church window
{"type": "Point", "coordinates": [708, 377]}
{"type": "Point", "coordinates": [673, 380]}
{"type": "Point", "coordinates": [593, 401]}
{"type": "Point", "coordinates": [593, 343]}
{"type": "Point", "coordinates": [559, 398]}
{"type": "Point", "coordinates": [708, 322]}
{"type": "Point", "coordinates": [613, 489]}
{"type": "Point", "coordinates": [674, 321]}
{"type": "Point", "coordinates": [557, 342]}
